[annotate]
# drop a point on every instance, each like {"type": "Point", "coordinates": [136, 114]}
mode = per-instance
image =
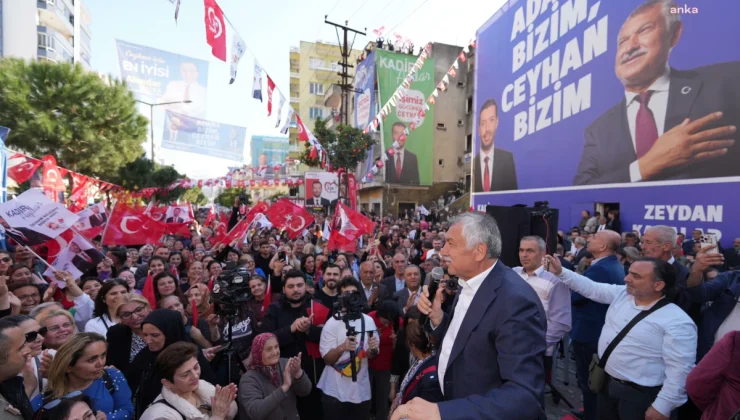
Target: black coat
{"type": "Point", "coordinates": [119, 339]}
{"type": "Point", "coordinates": [424, 385]}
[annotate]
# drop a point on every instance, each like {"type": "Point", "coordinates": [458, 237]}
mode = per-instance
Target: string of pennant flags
{"type": "Point", "coordinates": [376, 123]}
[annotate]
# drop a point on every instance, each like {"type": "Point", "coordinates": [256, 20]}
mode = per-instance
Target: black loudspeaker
{"type": "Point", "coordinates": [518, 222]}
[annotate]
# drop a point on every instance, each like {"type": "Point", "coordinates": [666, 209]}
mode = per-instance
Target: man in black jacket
{"type": "Point", "coordinates": [14, 354]}
{"type": "Point", "coordinates": [292, 322]}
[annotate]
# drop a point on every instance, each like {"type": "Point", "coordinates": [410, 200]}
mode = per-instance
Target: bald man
{"type": "Point", "coordinates": [588, 316]}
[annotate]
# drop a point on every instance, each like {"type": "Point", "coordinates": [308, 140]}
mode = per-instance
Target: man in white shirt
{"type": "Point", "coordinates": [344, 399]}
{"type": "Point", "coordinates": [188, 93]}
{"type": "Point", "coordinates": [647, 370]}
{"type": "Point", "coordinates": [437, 247]}
{"type": "Point", "coordinates": [554, 295]}
{"type": "Point", "coordinates": [491, 356]}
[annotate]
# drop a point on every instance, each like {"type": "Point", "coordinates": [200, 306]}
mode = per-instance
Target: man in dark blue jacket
{"type": "Point", "coordinates": [588, 316]}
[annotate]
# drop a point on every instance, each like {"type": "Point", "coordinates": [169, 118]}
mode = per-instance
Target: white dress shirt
{"type": "Point", "coordinates": [483, 155]}
{"type": "Point", "coordinates": [469, 288]}
{"type": "Point", "coordinates": [555, 298]}
{"type": "Point", "coordinates": [660, 350]}
{"type": "Point", "coordinates": [601, 228]}
{"type": "Point", "coordinates": [658, 105]}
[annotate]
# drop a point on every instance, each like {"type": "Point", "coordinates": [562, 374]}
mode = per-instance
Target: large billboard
{"type": "Point", "coordinates": [157, 76]}
{"type": "Point", "coordinates": [365, 104]}
{"type": "Point", "coordinates": [189, 134]}
{"type": "Point", "coordinates": [268, 152]}
{"type": "Point", "coordinates": [322, 191]}
{"type": "Point", "coordinates": [583, 101]}
{"type": "Point", "coordinates": [411, 163]}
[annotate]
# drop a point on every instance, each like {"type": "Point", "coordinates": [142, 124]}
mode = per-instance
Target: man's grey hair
{"type": "Point", "coordinates": [581, 240]}
{"type": "Point", "coordinates": [480, 228]}
{"type": "Point", "coordinates": [671, 19]}
{"type": "Point", "coordinates": [540, 242]}
{"type": "Point", "coordinates": [666, 234]}
{"type": "Point", "coordinates": [42, 307]}
{"type": "Point", "coordinates": [434, 262]}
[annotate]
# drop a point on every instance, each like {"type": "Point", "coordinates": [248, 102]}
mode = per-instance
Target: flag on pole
{"type": "Point", "coordinates": [302, 132]}
{"type": "Point", "coordinates": [284, 129]}
{"type": "Point", "coordinates": [215, 29]}
{"type": "Point", "coordinates": [238, 47]}
{"type": "Point", "coordinates": [281, 103]}
{"type": "Point", "coordinates": [257, 82]}
{"type": "Point", "coordinates": [270, 89]}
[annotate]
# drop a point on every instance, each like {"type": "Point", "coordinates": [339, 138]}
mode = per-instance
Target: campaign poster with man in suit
{"type": "Point", "coordinates": [322, 189]}
{"type": "Point", "coordinates": [32, 219]}
{"type": "Point", "coordinates": [78, 258]}
{"type": "Point", "coordinates": [494, 167]}
{"type": "Point", "coordinates": [178, 214]}
{"type": "Point", "coordinates": [408, 127]}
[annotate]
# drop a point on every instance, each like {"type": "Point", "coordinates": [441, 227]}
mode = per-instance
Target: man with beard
{"type": "Point", "coordinates": [494, 168]}
{"type": "Point", "coordinates": [327, 295]}
{"type": "Point", "coordinates": [298, 331]}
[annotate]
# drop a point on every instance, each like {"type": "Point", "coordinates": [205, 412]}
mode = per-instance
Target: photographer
{"type": "Point", "coordinates": [352, 335]}
{"type": "Point", "coordinates": [292, 321]}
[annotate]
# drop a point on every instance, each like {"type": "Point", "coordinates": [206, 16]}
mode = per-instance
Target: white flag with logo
{"type": "Point", "coordinates": [238, 48]}
{"type": "Point", "coordinates": [288, 119]}
{"type": "Point", "coordinates": [77, 258]}
{"type": "Point", "coordinates": [32, 219]}
{"type": "Point", "coordinates": [257, 82]}
{"type": "Point", "coordinates": [281, 103]}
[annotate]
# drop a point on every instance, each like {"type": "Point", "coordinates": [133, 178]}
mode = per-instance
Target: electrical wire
{"type": "Point", "coordinates": [360, 8]}
{"type": "Point", "coordinates": [408, 16]}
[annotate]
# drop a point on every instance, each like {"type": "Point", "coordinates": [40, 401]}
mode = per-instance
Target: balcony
{"type": "Point", "coordinates": [294, 75]}
{"type": "Point", "coordinates": [56, 15]}
{"type": "Point", "coordinates": [53, 46]}
{"type": "Point", "coordinates": [295, 100]}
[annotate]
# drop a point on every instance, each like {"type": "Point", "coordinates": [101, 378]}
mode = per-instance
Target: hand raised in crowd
{"type": "Point", "coordinates": [295, 366]}
{"type": "Point", "coordinates": [15, 303]}
{"type": "Point", "coordinates": [221, 401]}
{"type": "Point", "coordinates": [433, 310]}
{"type": "Point", "coordinates": [68, 279]}
{"type": "Point", "coordinates": [213, 320]}
{"type": "Point", "coordinates": [687, 143]}
{"type": "Point", "coordinates": [653, 414]}
{"type": "Point", "coordinates": [287, 376]}
{"type": "Point", "coordinates": [553, 264]}
{"type": "Point", "coordinates": [410, 301]}
{"type": "Point", "coordinates": [705, 259]}
{"type": "Point", "coordinates": [417, 409]}
{"type": "Point", "coordinates": [50, 292]}
{"type": "Point", "coordinates": [45, 363]}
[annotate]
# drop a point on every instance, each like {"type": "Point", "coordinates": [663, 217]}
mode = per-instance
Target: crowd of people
{"type": "Point", "coordinates": [330, 335]}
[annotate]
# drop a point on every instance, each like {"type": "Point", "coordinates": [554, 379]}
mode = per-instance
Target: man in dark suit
{"type": "Point", "coordinates": [407, 297]}
{"type": "Point", "coordinates": [494, 168]}
{"type": "Point", "coordinates": [491, 357]}
{"type": "Point", "coordinates": [396, 282]}
{"type": "Point", "coordinates": [371, 293]}
{"type": "Point", "coordinates": [97, 219]}
{"type": "Point", "coordinates": [402, 167]}
{"type": "Point", "coordinates": [263, 169]}
{"type": "Point", "coordinates": [668, 125]}
{"type": "Point", "coordinates": [175, 216]}
{"type": "Point", "coordinates": [588, 316]}
{"type": "Point", "coordinates": [342, 197]}
{"type": "Point", "coordinates": [24, 236]}
{"type": "Point", "coordinates": [316, 200]}
{"type": "Point", "coordinates": [85, 260]}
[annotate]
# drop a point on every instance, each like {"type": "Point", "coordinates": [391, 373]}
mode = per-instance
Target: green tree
{"type": "Point", "coordinates": [195, 196]}
{"type": "Point", "coordinates": [345, 147]}
{"type": "Point", "coordinates": [89, 126]}
{"type": "Point", "coordinates": [226, 198]}
{"type": "Point", "coordinates": [143, 173]}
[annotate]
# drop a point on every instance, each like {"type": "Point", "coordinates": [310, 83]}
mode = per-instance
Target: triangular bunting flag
{"type": "Point", "coordinates": [454, 64]}
{"type": "Point", "coordinates": [446, 79]}
{"type": "Point", "coordinates": [462, 57]}
{"type": "Point", "coordinates": [466, 49]}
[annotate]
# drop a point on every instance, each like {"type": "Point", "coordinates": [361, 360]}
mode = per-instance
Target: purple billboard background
{"type": "Point", "coordinates": [547, 159]}
{"type": "Point", "coordinates": [641, 206]}
{"type": "Point", "coordinates": [561, 144]}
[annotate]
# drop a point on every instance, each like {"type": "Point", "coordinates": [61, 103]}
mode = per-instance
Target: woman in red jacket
{"type": "Point", "coordinates": [714, 384]}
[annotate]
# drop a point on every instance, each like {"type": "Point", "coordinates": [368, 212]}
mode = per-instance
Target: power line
{"type": "Point", "coordinates": [408, 16]}
{"type": "Point", "coordinates": [382, 10]}
{"type": "Point", "coordinates": [360, 8]}
{"type": "Point", "coordinates": [333, 7]}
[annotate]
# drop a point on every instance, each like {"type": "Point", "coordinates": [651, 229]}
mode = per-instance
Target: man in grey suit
{"type": "Point", "coordinates": [407, 297]}
{"type": "Point", "coordinates": [671, 124]}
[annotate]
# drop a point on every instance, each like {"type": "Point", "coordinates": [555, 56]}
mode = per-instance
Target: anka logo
{"type": "Point", "coordinates": [684, 10]}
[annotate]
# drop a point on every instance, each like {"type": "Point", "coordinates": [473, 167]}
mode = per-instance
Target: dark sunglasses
{"type": "Point", "coordinates": [34, 335]}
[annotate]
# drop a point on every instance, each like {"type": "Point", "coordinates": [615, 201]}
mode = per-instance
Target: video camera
{"type": "Point", "coordinates": [348, 305]}
{"type": "Point", "coordinates": [231, 290]}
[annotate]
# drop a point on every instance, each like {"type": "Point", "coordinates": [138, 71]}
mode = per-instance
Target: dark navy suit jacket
{"type": "Point", "coordinates": [503, 177]}
{"type": "Point", "coordinates": [588, 316]}
{"type": "Point", "coordinates": [409, 170]}
{"type": "Point", "coordinates": [496, 367]}
{"type": "Point", "coordinates": [693, 94]}
{"type": "Point", "coordinates": [723, 292]}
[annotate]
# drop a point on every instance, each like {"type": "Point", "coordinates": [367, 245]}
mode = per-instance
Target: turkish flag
{"type": "Point", "coordinates": [215, 29]}
{"type": "Point", "coordinates": [56, 245]}
{"type": "Point", "coordinates": [320, 315]}
{"type": "Point", "coordinates": [237, 233]}
{"type": "Point", "coordinates": [52, 181]}
{"type": "Point", "coordinates": [222, 226]}
{"type": "Point", "coordinates": [80, 192]}
{"type": "Point", "coordinates": [286, 215]}
{"type": "Point", "coordinates": [211, 217]}
{"type": "Point", "coordinates": [302, 132]}
{"type": "Point", "coordinates": [347, 227]}
{"type": "Point", "coordinates": [23, 170]}
{"type": "Point", "coordinates": [131, 226]}
{"type": "Point", "coordinates": [270, 89]}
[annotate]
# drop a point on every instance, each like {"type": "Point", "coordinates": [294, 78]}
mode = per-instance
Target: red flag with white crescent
{"type": "Point", "coordinates": [286, 215]}
{"type": "Point", "coordinates": [302, 132]}
{"type": "Point", "coordinates": [23, 170]}
{"type": "Point", "coordinates": [215, 29]}
{"type": "Point", "coordinates": [270, 89]}
{"type": "Point", "coordinates": [148, 291]}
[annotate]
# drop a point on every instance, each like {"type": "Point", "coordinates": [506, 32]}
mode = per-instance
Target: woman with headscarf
{"type": "Point", "coordinates": [269, 388]}
{"type": "Point", "coordinates": [161, 328]}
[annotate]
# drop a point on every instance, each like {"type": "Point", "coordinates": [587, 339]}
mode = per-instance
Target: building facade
{"type": "Point", "coordinates": [53, 30]}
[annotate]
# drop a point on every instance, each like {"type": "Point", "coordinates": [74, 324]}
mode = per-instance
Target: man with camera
{"type": "Point", "coordinates": [297, 323]}
{"type": "Point", "coordinates": [347, 341]}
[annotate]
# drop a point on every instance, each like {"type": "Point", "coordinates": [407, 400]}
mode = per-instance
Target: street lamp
{"type": "Point", "coordinates": [151, 116]}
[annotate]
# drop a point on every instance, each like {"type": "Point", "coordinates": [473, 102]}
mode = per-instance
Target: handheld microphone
{"type": "Point", "coordinates": [437, 274]}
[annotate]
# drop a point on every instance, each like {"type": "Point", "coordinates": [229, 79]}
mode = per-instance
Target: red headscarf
{"type": "Point", "coordinates": [258, 346]}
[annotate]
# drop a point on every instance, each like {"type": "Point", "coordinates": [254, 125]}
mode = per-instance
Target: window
{"type": "Point", "coordinates": [469, 105]}
{"type": "Point", "coordinates": [316, 88]}
{"type": "Point", "coordinates": [315, 63]}
{"type": "Point", "coordinates": [441, 126]}
{"type": "Point", "coordinates": [441, 163]}
{"type": "Point", "coordinates": [468, 143]}
{"type": "Point", "coordinates": [315, 113]}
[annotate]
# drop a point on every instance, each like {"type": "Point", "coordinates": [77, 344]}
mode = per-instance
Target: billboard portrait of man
{"type": "Point", "coordinates": [316, 200]}
{"type": "Point", "coordinates": [671, 123]}
{"type": "Point", "coordinates": [97, 218]}
{"type": "Point", "coordinates": [264, 168]}
{"type": "Point", "coordinates": [403, 166]}
{"type": "Point", "coordinates": [494, 167]}
{"type": "Point", "coordinates": [187, 89]}
{"type": "Point", "coordinates": [176, 216]}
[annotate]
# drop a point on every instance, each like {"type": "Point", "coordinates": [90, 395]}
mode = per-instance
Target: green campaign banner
{"type": "Point", "coordinates": [411, 162]}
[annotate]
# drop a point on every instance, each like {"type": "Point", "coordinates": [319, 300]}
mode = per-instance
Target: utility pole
{"type": "Point", "coordinates": [345, 48]}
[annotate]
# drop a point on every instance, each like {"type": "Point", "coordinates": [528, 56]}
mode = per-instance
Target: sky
{"type": "Point", "coordinates": [269, 29]}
